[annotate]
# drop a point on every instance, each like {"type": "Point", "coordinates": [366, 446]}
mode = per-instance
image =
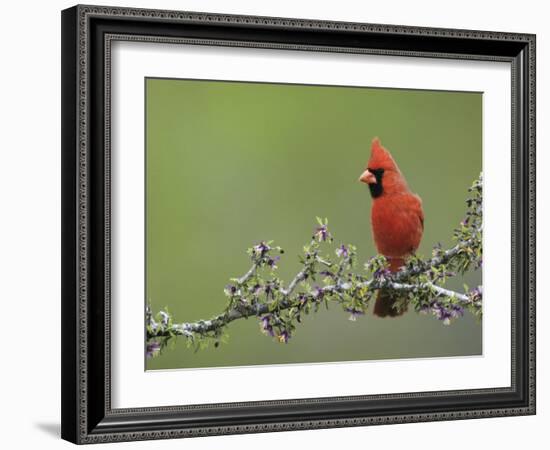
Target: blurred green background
{"type": "Point", "coordinates": [230, 163]}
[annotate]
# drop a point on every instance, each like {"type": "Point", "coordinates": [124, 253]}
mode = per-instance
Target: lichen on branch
{"type": "Point", "coordinates": [330, 278]}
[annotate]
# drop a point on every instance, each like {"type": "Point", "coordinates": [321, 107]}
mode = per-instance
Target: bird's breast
{"type": "Point", "coordinates": [397, 225]}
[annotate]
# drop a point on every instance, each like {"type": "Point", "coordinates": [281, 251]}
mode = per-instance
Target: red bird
{"type": "Point", "coordinates": [397, 218]}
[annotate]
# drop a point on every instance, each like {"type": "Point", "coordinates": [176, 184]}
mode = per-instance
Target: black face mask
{"type": "Point", "coordinates": [376, 189]}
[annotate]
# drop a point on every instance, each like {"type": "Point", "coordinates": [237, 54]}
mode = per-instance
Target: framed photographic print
{"type": "Point", "coordinates": [282, 224]}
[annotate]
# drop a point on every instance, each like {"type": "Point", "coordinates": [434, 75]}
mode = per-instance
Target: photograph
{"type": "Point", "coordinates": [277, 224]}
{"type": "Point", "coordinates": [300, 224]}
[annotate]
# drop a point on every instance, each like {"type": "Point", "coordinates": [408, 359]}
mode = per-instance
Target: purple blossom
{"type": "Point", "coordinates": [342, 251]}
{"type": "Point", "coordinates": [152, 349]}
{"type": "Point", "coordinates": [321, 233]}
{"type": "Point", "coordinates": [261, 249]}
{"type": "Point", "coordinates": [445, 314]}
{"type": "Point", "coordinates": [284, 336]}
{"type": "Point", "coordinates": [272, 262]}
{"type": "Point", "coordinates": [302, 298]}
{"type": "Point", "coordinates": [354, 313]}
{"type": "Point", "coordinates": [318, 293]}
{"type": "Point", "coordinates": [265, 325]}
{"type": "Point", "coordinates": [476, 293]}
{"type": "Point", "coordinates": [381, 274]}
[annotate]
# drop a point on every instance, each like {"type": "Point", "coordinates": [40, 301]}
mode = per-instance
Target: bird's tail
{"type": "Point", "coordinates": [386, 301]}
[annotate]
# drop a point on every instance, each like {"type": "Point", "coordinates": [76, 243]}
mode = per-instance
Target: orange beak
{"type": "Point", "coordinates": [367, 177]}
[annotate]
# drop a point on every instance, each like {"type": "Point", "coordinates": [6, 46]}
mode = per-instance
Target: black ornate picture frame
{"type": "Point", "coordinates": [87, 35]}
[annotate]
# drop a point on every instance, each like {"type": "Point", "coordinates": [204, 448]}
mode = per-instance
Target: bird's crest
{"type": "Point", "coordinates": [380, 158]}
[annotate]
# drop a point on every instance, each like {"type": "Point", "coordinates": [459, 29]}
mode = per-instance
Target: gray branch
{"type": "Point", "coordinates": [258, 309]}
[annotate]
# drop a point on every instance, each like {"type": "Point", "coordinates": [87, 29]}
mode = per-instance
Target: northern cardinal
{"type": "Point", "coordinates": [397, 218]}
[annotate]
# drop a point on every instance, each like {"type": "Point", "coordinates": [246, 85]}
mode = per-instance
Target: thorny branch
{"type": "Point", "coordinates": [259, 293]}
